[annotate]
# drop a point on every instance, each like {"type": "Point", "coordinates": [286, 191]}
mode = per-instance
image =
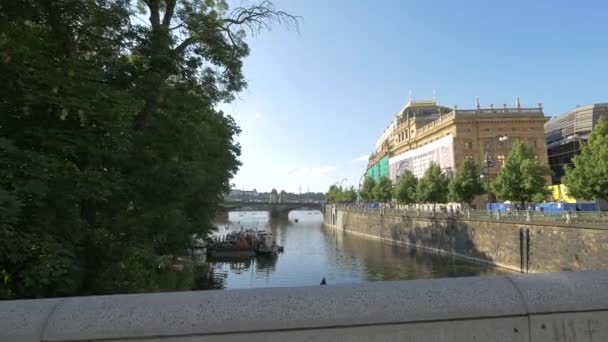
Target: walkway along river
{"type": "Point", "coordinates": [313, 252]}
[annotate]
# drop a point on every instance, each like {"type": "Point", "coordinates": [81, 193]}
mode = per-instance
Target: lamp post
{"type": "Point", "coordinates": [488, 163]}
{"type": "Point", "coordinates": [360, 182]}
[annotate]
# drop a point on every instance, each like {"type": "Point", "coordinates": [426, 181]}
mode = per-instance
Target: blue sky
{"type": "Point", "coordinates": [318, 100]}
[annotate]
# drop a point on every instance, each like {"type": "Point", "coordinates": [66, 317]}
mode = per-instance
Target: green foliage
{"type": "Point", "coordinates": [349, 195]}
{"type": "Point", "coordinates": [112, 152]}
{"type": "Point", "coordinates": [405, 190]}
{"type": "Point", "coordinates": [337, 194]}
{"type": "Point", "coordinates": [383, 190]}
{"type": "Point", "coordinates": [433, 186]}
{"type": "Point", "coordinates": [466, 184]}
{"type": "Point", "coordinates": [367, 190]}
{"type": "Point", "coordinates": [333, 194]}
{"type": "Point", "coordinates": [588, 179]}
{"type": "Point", "coordinates": [522, 179]}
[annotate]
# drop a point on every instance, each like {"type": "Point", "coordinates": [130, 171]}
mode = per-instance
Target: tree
{"type": "Point", "coordinates": [113, 154]}
{"type": "Point", "coordinates": [349, 195]}
{"type": "Point", "coordinates": [433, 186]}
{"type": "Point", "coordinates": [523, 176]}
{"type": "Point", "coordinates": [367, 191]}
{"type": "Point", "coordinates": [333, 194]}
{"type": "Point", "coordinates": [383, 191]}
{"type": "Point", "coordinates": [405, 191]}
{"type": "Point", "coordinates": [337, 194]}
{"type": "Point", "coordinates": [466, 184]}
{"type": "Point", "coordinates": [588, 178]}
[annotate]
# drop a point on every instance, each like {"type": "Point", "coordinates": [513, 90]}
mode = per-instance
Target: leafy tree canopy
{"type": "Point", "coordinates": [433, 186]}
{"type": "Point", "coordinates": [383, 191]}
{"type": "Point", "coordinates": [466, 184]}
{"type": "Point", "coordinates": [405, 191]}
{"type": "Point", "coordinates": [523, 177]}
{"type": "Point", "coordinates": [337, 194]}
{"type": "Point", "coordinates": [113, 153]}
{"type": "Point", "coordinates": [367, 190]}
{"type": "Point", "coordinates": [588, 179]}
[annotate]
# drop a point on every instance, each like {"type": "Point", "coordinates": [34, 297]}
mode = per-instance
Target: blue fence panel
{"type": "Point", "coordinates": [550, 207]}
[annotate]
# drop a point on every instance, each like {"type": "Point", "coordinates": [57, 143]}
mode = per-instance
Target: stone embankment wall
{"type": "Point", "coordinates": [524, 247]}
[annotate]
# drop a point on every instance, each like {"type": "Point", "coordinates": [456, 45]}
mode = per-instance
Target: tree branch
{"type": "Point", "coordinates": [184, 45]}
{"type": "Point", "coordinates": [254, 18]}
{"type": "Point", "coordinates": [169, 12]}
{"type": "Point", "coordinates": [154, 12]}
{"type": "Point", "coordinates": [258, 17]}
{"type": "Point", "coordinates": [177, 26]}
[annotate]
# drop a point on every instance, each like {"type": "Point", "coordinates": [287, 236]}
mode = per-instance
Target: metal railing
{"type": "Point", "coordinates": [593, 218]}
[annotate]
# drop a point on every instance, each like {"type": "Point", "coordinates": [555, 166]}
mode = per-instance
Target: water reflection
{"type": "Point", "coordinates": [313, 252]}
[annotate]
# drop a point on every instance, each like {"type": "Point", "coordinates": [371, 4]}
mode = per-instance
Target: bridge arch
{"type": "Point", "coordinates": [275, 210]}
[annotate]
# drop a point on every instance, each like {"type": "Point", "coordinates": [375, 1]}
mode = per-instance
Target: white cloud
{"type": "Point", "coordinates": [307, 171]}
{"type": "Point", "coordinates": [364, 157]}
{"type": "Point", "coordinates": [258, 115]}
{"type": "Point", "coordinates": [322, 170]}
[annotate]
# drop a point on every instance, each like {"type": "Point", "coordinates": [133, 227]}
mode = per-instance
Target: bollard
{"type": "Point", "coordinates": [497, 215]}
{"type": "Point", "coordinates": [528, 215]}
{"type": "Point", "coordinates": [468, 213]}
{"type": "Point", "coordinates": [568, 217]}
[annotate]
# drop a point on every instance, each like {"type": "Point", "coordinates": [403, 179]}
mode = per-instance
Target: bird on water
{"type": "Point", "coordinates": [323, 282]}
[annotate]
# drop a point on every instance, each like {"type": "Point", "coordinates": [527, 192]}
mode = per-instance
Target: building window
{"type": "Point", "coordinates": [501, 161]}
{"type": "Point", "coordinates": [531, 142]}
{"type": "Point", "coordinates": [514, 129]}
{"type": "Point", "coordinates": [487, 145]}
{"type": "Point", "coordinates": [469, 157]}
{"type": "Point", "coordinates": [500, 129]}
{"type": "Point", "coordinates": [468, 145]}
{"type": "Point", "coordinates": [486, 129]}
{"type": "Point", "coordinates": [531, 128]}
{"type": "Point", "coordinates": [467, 129]}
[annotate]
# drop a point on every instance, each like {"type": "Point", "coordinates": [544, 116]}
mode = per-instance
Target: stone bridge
{"type": "Point", "coordinates": [276, 210]}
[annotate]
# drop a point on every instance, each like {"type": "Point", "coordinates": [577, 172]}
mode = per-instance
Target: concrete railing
{"type": "Point", "coordinates": [569, 306]}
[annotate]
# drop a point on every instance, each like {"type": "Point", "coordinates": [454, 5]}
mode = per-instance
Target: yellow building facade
{"type": "Point", "coordinates": [425, 132]}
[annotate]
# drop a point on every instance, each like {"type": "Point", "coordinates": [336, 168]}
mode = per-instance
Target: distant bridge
{"type": "Point", "coordinates": [275, 209]}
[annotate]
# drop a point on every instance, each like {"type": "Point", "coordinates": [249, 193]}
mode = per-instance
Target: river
{"type": "Point", "coordinates": [313, 252]}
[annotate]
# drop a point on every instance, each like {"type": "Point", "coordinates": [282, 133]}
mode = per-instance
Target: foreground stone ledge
{"type": "Point", "coordinates": [505, 308]}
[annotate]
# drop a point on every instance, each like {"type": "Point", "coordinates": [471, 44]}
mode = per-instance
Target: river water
{"type": "Point", "coordinates": [313, 252]}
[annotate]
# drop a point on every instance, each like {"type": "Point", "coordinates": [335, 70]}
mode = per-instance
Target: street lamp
{"type": "Point", "coordinates": [360, 182]}
{"type": "Point", "coordinates": [488, 163]}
